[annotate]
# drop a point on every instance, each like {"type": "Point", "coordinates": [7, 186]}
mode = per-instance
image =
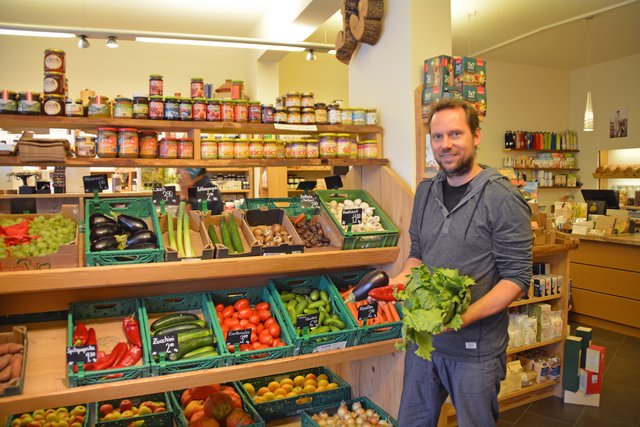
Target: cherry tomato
{"type": "Point", "coordinates": [274, 330]}
{"type": "Point", "coordinates": [265, 339]}
{"type": "Point", "coordinates": [264, 314]}
{"type": "Point", "coordinates": [230, 322]}
{"type": "Point", "coordinates": [263, 306]}
{"type": "Point", "coordinates": [219, 306]}
{"type": "Point", "coordinates": [228, 311]}
{"type": "Point", "coordinates": [254, 318]}
{"type": "Point", "coordinates": [245, 313]}
{"type": "Point", "coordinates": [241, 303]}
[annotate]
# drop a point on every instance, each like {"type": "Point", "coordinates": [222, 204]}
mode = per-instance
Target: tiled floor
{"type": "Point", "coordinates": [619, 400]}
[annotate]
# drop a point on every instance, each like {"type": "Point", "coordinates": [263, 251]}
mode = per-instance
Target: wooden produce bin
{"type": "Point", "coordinates": [202, 246]}
{"type": "Point", "coordinates": [249, 244]}
{"type": "Point", "coordinates": [18, 335]}
{"type": "Point", "coordinates": [256, 217]}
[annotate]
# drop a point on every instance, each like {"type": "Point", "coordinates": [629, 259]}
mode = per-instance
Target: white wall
{"type": "Point", "coordinates": [326, 77]}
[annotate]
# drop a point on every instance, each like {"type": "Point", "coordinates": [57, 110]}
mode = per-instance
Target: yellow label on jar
{"type": "Point", "coordinates": [225, 149]}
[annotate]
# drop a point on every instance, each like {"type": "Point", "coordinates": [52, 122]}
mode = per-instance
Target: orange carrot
{"type": "Point", "coordinates": [386, 312]}
{"type": "Point", "coordinates": [394, 313]}
{"type": "Point", "coordinates": [352, 308]}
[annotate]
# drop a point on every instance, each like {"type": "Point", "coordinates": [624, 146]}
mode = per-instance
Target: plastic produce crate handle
{"type": "Point", "coordinates": [119, 205]}
{"type": "Point", "coordinates": [104, 306]}
{"type": "Point", "coordinates": [173, 300]}
{"type": "Point", "coordinates": [296, 282]}
{"type": "Point", "coordinates": [304, 400]}
{"type": "Point", "coordinates": [237, 294]}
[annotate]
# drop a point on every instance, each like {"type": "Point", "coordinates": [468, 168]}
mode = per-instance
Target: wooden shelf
{"type": "Point", "coordinates": [558, 187]}
{"type": "Point", "coordinates": [555, 249]}
{"type": "Point", "coordinates": [234, 191]}
{"type": "Point", "coordinates": [534, 345]}
{"type": "Point", "coordinates": [534, 300]}
{"type": "Point", "coordinates": [20, 122]}
{"type": "Point", "coordinates": [526, 390]}
{"type": "Point", "coordinates": [508, 150]}
{"type": "Point", "coordinates": [46, 382]}
{"type": "Point", "coordinates": [548, 169]}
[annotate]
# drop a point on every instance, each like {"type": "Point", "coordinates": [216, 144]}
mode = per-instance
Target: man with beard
{"type": "Point", "coordinates": [470, 218]}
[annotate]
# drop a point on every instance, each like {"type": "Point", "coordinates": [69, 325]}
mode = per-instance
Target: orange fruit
{"type": "Point", "coordinates": [322, 377]}
{"type": "Point", "coordinates": [297, 390]}
{"type": "Point", "coordinates": [332, 386]}
{"type": "Point", "coordinates": [323, 383]}
{"type": "Point", "coordinates": [280, 392]}
{"type": "Point", "coordinates": [310, 382]}
{"type": "Point", "coordinates": [286, 387]}
{"type": "Point", "coordinates": [273, 385]}
{"type": "Point", "coordinates": [321, 388]}
{"type": "Point", "coordinates": [269, 396]}
{"type": "Point", "coordinates": [310, 376]}
{"type": "Point", "coordinates": [291, 394]}
{"type": "Point", "coordinates": [286, 381]}
{"type": "Point", "coordinates": [259, 399]}
{"type": "Point", "coordinates": [299, 380]}
{"type": "Point", "coordinates": [262, 391]}
{"type": "Point", "coordinates": [309, 388]}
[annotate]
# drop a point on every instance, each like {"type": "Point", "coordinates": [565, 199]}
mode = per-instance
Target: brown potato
{"type": "Point", "coordinates": [16, 365]}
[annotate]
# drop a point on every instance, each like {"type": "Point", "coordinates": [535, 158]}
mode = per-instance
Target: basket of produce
{"type": "Point", "coordinates": [197, 406]}
{"type": "Point", "coordinates": [185, 235]}
{"type": "Point", "coordinates": [252, 327]}
{"type": "Point", "coordinates": [314, 313]}
{"type": "Point", "coordinates": [122, 231]}
{"type": "Point", "coordinates": [273, 231]}
{"type": "Point", "coordinates": [73, 416]}
{"type": "Point", "coordinates": [181, 334]}
{"type": "Point", "coordinates": [112, 327]}
{"type": "Point", "coordinates": [151, 410]}
{"type": "Point", "coordinates": [230, 235]}
{"type": "Point", "coordinates": [36, 242]}
{"type": "Point", "coordinates": [360, 411]}
{"type": "Point", "coordinates": [363, 224]}
{"type": "Point", "coordinates": [284, 395]}
{"type": "Point", "coordinates": [13, 358]}
{"type": "Point", "coordinates": [371, 301]}
{"type": "Point", "coordinates": [291, 205]}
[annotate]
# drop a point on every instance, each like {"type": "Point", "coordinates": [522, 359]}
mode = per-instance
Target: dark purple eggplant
{"type": "Point", "coordinates": [131, 223]}
{"type": "Point", "coordinates": [99, 218]}
{"type": "Point", "coordinates": [144, 236]}
{"type": "Point", "coordinates": [145, 245]}
{"type": "Point", "coordinates": [104, 230]}
{"type": "Point", "coordinates": [108, 243]}
{"type": "Point", "coordinates": [371, 280]}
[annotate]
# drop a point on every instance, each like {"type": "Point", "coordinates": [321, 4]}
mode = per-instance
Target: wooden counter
{"type": "Point", "coordinates": [606, 282]}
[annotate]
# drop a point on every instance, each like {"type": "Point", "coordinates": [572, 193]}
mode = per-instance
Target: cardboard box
{"type": "Point", "coordinates": [595, 359]}
{"type": "Point", "coordinates": [17, 335]}
{"type": "Point", "coordinates": [580, 398]}
{"type": "Point", "coordinates": [571, 370]}
{"type": "Point", "coordinates": [469, 70]}
{"type": "Point", "coordinates": [476, 95]}
{"type": "Point", "coordinates": [249, 243]}
{"type": "Point", "coordinates": [200, 242]}
{"type": "Point", "coordinates": [330, 230]}
{"type": "Point", "coordinates": [438, 72]}
{"type": "Point", "coordinates": [67, 255]}
{"type": "Point", "coordinates": [432, 95]}
{"type": "Point", "coordinates": [585, 333]}
{"type": "Point", "coordinates": [590, 382]}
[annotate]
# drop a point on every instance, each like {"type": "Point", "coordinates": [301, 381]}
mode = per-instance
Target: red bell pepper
{"type": "Point", "coordinates": [113, 358]}
{"type": "Point", "coordinates": [80, 335]}
{"type": "Point", "coordinates": [131, 329]}
{"type": "Point", "coordinates": [386, 293]}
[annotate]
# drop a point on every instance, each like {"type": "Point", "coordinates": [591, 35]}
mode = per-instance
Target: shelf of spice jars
{"type": "Point", "coordinates": [20, 122]}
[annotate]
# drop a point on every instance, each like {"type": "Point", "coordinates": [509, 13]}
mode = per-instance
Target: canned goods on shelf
{"type": "Point", "coordinates": [371, 116]}
{"type": "Point", "coordinates": [353, 153]}
{"type": "Point", "coordinates": [308, 116]}
{"type": "Point", "coordinates": [267, 113]}
{"type": "Point", "coordinates": [241, 148]}
{"type": "Point", "coordinates": [148, 141]}
{"type": "Point", "coordinates": [256, 148]}
{"type": "Point", "coordinates": [156, 85]}
{"type": "Point", "coordinates": [54, 60]}
{"type": "Point", "coordinates": [171, 108]}
{"type": "Point", "coordinates": [369, 149]}
{"type": "Point", "coordinates": [53, 105]}
{"type": "Point", "coordinates": [306, 99]}
{"type": "Point", "coordinates": [156, 108]}
{"type": "Point", "coordinates": [335, 114]}
{"type": "Point", "coordinates": [99, 106]}
{"type": "Point", "coordinates": [128, 142]}
{"type": "Point", "coordinates": [327, 145]}
{"type": "Point", "coordinates": [123, 108]}
{"type": "Point", "coordinates": [199, 109]}
{"type": "Point", "coordinates": [53, 83]}
{"type": "Point", "coordinates": [343, 145]}
{"type": "Point", "coordinates": [185, 148]}
{"type": "Point", "coordinates": [227, 111]}
{"type": "Point", "coordinates": [270, 149]}
{"type": "Point", "coordinates": [312, 149]}
{"type": "Point", "coordinates": [168, 148]}
{"type": "Point", "coordinates": [208, 149]}
{"type": "Point", "coordinates": [86, 146]}
{"type": "Point", "coordinates": [280, 116]}
{"type": "Point", "coordinates": [214, 112]}
{"type": "Point", "coordinates": [240, 111]}
{"type": "Point", "coordinates": [185, 109]}
{"type": "Point", "coordinates": [293, 115]}
{"type": "Point", "coordinates": [107, 142]}
{"type": "Point", "coordinates": [292, 99]}
{"type": "Point", "coordinates": [225, 148]}
{"type": "Point", "coordinates": [346, 116]}
{"type": "Point", "coordinates": [237, 89]}
{"type": "Point", "coordinates": [29, 103]}
{"type": "Point", "coordinates": [8, 102]}
{"type": "Point", "coordinates": [359, 117]}
{"type": "Point", "coordinates": [299, 149]}
{"type": "Point", "coordinates": [73, 109]}
{"type": "Point", "coordinates": [321, 112]}
{"type": "Point", "coordinates": [140, 107]}
{"type": "Point", "coordinates": [197, 87]}
{"type": "Point", "coordinates": [255, 112]}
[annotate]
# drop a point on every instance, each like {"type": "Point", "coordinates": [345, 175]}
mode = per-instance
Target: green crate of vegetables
{"type": "Point", "coordinates": [122, 231]}
{"type": "Point", "coordinates": [185, 320]}
{"type": "Point", "coordinates": [231, 411]}
{"type": "Point", "coordinates": [376, 229]}
{"type": "Point", "coordinates": [350, 412]}
{"type": "Point", "coordinates": [113, 326]}
{"type": "Point", "coordinates": [388, 322]}
{"type": "Point", "coordinates": [291, 205]}
{"type": "Point", "coordinates": [151, 410]}
{"type": "Point", "coordinates": [305, 390]}
{"type": "Point", "coordinates": [69, 414]}
{"type": "Point", "coordinates": [314, 313]}
{"type": "Point", "coordinates": [253, 310]}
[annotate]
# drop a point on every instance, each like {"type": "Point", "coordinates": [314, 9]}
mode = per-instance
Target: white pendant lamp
{"type": "Point", "coordinates": [588, 114]}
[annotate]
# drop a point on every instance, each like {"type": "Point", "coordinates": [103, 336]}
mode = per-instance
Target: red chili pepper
{"type": "Point", "coordinates": [131, 329]}
{"type": "Point", "coordinates": [91, 338]}
{"type": "Point", "coordinates": [80, 334]}
{"type": "Point", "coordinates": [113, 358]}
{"type": "Point", "coordinates": [386, 293]}
{"type": "Point", "coordinates": [131, 358]}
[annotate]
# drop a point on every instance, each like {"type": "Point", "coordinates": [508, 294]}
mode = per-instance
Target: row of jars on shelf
{"type": "Point", "coordinates": [133, 143]}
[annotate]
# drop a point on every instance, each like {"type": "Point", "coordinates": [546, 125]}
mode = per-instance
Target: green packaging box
{"type": "Point", "coordinates": [571, 369]}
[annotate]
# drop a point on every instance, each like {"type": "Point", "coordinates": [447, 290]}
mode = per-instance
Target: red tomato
{"type": "Point", "coordinates": [265, 339]}
{"type": "Point", "coordinates": [255, 344]}
{"type": "Point", "coordinates": [241, 303]}
{"type": "Point", "coordinates": [254, 318]}
{"type": "Point", "coordinates": [235, 315]}
{"type": "Point", "coordinates": [245, 347]}
{"type": "Point", "coordinates": [264, 314]}
{"type": "Point", "coordinates": [225, 330]}
{"type": "Point", "coordinates": [230, 348]}
{"type": "Point", "coordinates": [269, 321]}
{"type": "Point", "coordinates": [228, 311]}
{"type": "Point", "coordinates": [263, 306]}
{"type": "Point", "coordinates": [245, 313]}
{"type": "Point", "coordinates": [244, 323]}
{"type": "Point", "coordinates": [274, 330]}
{"type": "Point", "coordinates": [235, 328]}
{"type": "Point", "coordinates": [254, 337]}
{"type": "Point", "coordinates": [219, 316]}
{"type": "Point", "coordinates": [230, 321]}
{"type": "Point", "coordinates": [260, 328]}
{"type": "Point", "coordinates": [219, 306]}
{"type": "Point", "coordinates": [261, 346]}
{"type": "Point", "coordinates": [276, 342]}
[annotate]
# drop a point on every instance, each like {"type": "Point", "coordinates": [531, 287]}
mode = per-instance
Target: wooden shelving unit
{"type": "Point", "coordinates": [524, 150]}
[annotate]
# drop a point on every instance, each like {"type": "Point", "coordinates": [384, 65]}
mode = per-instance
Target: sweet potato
{"type": "Point", "coordinates": [5, 374]}
{"type": "Point", "coordinates": [10, 348]}
{"type": "Point", "coordinates": [16, 365]}
{"type": "Point", "coordinates": [4, 361]}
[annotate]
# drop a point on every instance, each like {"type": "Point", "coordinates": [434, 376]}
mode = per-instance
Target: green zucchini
{"type": "Point", "coordinates": [226, 237]}
{"type": "Point", "coordinates": [193, 334]}
{"type": "Point", "coordinates": [235, 234]}
{"type": "Point", "coordinates": [172, 319]}
{"type": "Point", "coordinates": [212, 234]}
{"type": "Point", "coordinates": [206, 351]}
{"type": "Point", "coordinates": [180, 327]}
{"type": "Point", "coordinates": [190, 345]}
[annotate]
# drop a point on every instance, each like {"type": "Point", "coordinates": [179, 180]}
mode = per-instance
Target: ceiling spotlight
{"type": "Point", "coordinates": [112, 42]}
{"type": "Point", "coordinates": [83, 43]}
{"type": "Point", "coordinates": [311, 56]}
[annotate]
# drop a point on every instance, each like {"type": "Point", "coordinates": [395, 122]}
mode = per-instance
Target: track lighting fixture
{"type": "Point", "coordinates": [83, 43]}
{"type": "Point", "coordinates": [311, 56]}
{"type": "Point", "coordinates": [112, 42]}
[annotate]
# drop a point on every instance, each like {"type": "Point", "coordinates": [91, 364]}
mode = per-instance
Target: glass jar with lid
{"type": "Point", "coordinates": [267, 113]}
{"type": "Point", "coordinates": [288, 153]}
{"type": "Point", "coordinates": [148, 143]}
{"type": "Point", "coordinates": [353, 153]}
{"type": "Point", "coordinates": [270, 149]}
{"type": "Point", "coordinates": [240, 111]}
{"type": "Point", "coordinates": [371, 116]}
{"type": "Point", "coordinates": [335, 114]}
{"type": "Point", "coordinates": [85, 146]}
{"type": "Point", "coordinates": [199, 110]}
{"type": "Point", "coordinates": [225, 148]}
{"type": "Point", "coordinates": [185, 110]}
{"type": "Point", "coordinates": [327, 146]}
{"type": "Point", "coordinates": [298, 149]}
{"type": "Point", "coordinates": [280, 150]}
{"type": "Point", "coordinates": [293, 115]}
{"type": "Point", "coordinates": [280, 116]}
{"type": "Point", "coordinates": [107, 142]}
{"type": "Point", "coordinates": [369, 149]}
{"type": "Point", "coordinates": [237, 89]}
{"type": "Point", "coordinates": [172, 108]}
{"type": "Point", "coordinates": [197, 87]}
{"type": "Point", "coordinates": [346, 116]}
{"type": "Point", "coordinates": [73, 109]}
{"type": "Point", "coordinates": [8, 102]}
{"type": "Point", "coordinates": [227, 112]}
{"type": "Point", "coordinates": [185, 148]}
{"type": "Point", "coordinates": [292, 99]}
{"type": "Point", "coordinates": [123, 108]}
{"type": "Point", "coordinates": [140, 107]}
{"type": "Point", "coordinates": [241, 148]}
{"type": "Point", "coordinates": [99, 106]}
{"type": "Point", "coordinates": [29, 103]}
{"type": "Point", "coordinates": [312, 149]}
{"type": "Point", "coordinates": [53, 106]}
{"type": "Point", "coordinates": [308, 116]}
{"type": "Point", "coordinates": [156, 85]}
{"type": "Point", "coordinates": [343, 145]}
{"type": "Point", "coordinates": [359, 117]}
{"type": "Point", "coordinates": [156, 108]}
{"type": "Point", "coordinates": [256, 148]}
{"type": "Point", "coordinates": [208, 149]}
{"type": "Point", "coordinates": [128, 144]}
{"type": "Point", "coordinates": [214, 111]}
{"type": "Point", "coordinates": [168, 148]}
{"type": "Point", "coordinates": [306, 100]}
{"type": "Point", "coordinates": [320, 110]}
{"type": "Point", "coordinates": [255, 112]}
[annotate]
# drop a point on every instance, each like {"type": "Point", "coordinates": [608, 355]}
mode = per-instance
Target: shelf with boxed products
{"type": "Point", "coordinates": [539, 344]}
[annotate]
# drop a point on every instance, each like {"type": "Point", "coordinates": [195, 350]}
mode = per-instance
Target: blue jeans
{"type": "Point", "coordinates": [473, 387]}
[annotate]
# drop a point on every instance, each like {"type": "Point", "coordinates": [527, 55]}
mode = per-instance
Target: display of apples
{"type": "Point", "coordinates": [214, 406]}
{"type": "Point", "coordinates": [127, 409]}
{"type": "Point", "coordinates": [61, 417]}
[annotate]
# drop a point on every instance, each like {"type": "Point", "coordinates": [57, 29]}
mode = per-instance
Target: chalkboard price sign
{"type": "Point", "coordinates": [165, 193]}
{"type": "Point", "coordinates": [309, 201]}
{"type": "Point", "coordinates": [241, 336]}
{"type": "Point", "coordinates": [368, 311]}
{"type": "Point", "coordinates": [164, 344]}
{"type": "Point", "coordinates": [86, 354]}
{"type": "Point", "coordinates": [210, 194]}
{"type": "Point", "coordinates": [95, 183]}
{"type": "Point", "coordinates": [352, 216]}
{"type": "Point", "coordinates": [307, 320]}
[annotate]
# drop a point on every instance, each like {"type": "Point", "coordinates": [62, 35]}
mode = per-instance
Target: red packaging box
{"type": "Point", "coordinates": [595, 359]}
{"type": "Point", "coordinates": [590, 382]}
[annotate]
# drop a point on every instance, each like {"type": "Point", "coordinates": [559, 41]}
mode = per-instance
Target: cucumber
{"type": "Point", "coordinates": [212, 234]}
{"type": "Point", "coordinates": [235, 234]}
{"type": "Point", "coordinates": [226, 236]}
{"type": "Point", "coordinates": [206, 351]}
{"type": "Point", "coordinates": [172, 319]}
{"type": "Point", "coordinates": [190, 345]}
{"type": "Point", "coordinates": [180, 327]}
{"type": "Point", "coordinates": [193, 334]}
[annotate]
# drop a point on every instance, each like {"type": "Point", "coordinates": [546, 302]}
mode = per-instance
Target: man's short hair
{"type": "Point", "coordinates": [450, 104]}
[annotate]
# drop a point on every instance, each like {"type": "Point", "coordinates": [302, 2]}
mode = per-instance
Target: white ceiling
{"type": "Point", "coordinates": [478, 26]}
